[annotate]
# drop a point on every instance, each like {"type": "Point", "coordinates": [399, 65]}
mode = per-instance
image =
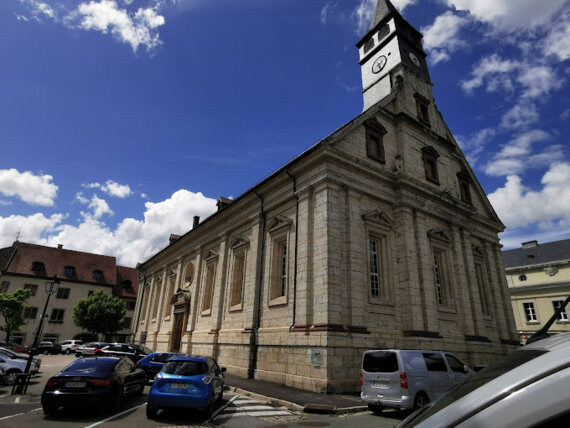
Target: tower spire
{"type": "Point", "coordinates": [383, 9]}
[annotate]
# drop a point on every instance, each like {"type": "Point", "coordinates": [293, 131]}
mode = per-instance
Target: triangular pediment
{"type": "Point", "coordinates": [378, 216]}
{"type": "Point", "coordinates": [439, 235]}
{"type": "Point", "coordinates": [279, 222]}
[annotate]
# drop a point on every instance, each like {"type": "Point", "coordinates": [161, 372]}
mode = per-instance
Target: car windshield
{"type": "Point", "coordinates": [91, 365]}
{"type": "Point", "coordinates": [185, 368]}
{"type": "Point", "coordinates": [489, 373]}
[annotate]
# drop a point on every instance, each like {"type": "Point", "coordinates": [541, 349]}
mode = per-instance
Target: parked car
{"type": "Point", "coordinates": [14, 347]}
{"type": "Point", "coordinates": [93, 381]}
{"type": "Point", "coordinates": [48, 347]}
{"type": "Point", "coordinates": [406, 379]}
{"type": "Point", "coordinates": [88, 349]}
{"type": "Point", "coordinates": [187, 381]}
{"type": "Point", "coordinates": [153, 363]}
{"type": "Point", "coordinates": [14, 366]}
{"type": "Point", "coordinates": [8, 353]}
{"type": "Point", "coordinates": [69, 346]}
{"type": "Point", "coordinates": [134, 352]}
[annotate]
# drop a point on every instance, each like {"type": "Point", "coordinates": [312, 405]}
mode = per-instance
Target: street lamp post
{"type": "Point", "coordinates": [51, 288]}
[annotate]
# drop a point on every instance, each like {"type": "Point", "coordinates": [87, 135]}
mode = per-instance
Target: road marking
{"type": "Point", "coordinates": [245, 406]}
{"type": "Point", "coordinates": [116, 416]}
{"type": "Point", "coordinates": [215, 414]}
{"type": "Point", "coordinates": [20, 414]}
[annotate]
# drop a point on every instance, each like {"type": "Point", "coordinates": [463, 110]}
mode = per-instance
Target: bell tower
{"type": "Point", "coordinates": [389, 42]}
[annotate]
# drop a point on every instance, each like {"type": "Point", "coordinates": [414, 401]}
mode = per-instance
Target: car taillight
{"type": "Point", "coordinates": [361, 379]}
{"type": "Point", "coordinates": [101, 382]}
{"type": "Point", "coordinates": [52, 382]}
{"type": "Point", "coordinates": [403, 380]}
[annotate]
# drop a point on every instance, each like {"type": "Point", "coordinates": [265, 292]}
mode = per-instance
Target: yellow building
{"type": "Point", "coordinates": [538, 276]}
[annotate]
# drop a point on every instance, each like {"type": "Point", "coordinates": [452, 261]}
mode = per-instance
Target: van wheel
{"type": "Point", "coordinates": [421, 400]}
{"type": "Point", "coordinates": [376, 408]}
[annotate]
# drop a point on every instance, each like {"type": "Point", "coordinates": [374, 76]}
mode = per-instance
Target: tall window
{"type": "Point", "coordinates": [373, 249]}
{"type": "Point", "coordinates": [464, 186]}
{"type": "Point", "coordinates": [563, 316]}
{"type": "Point", "coordinates": [156, 302]}
{"type": "Point", "coordinates": [422, 106]}
{"type": "Point", "coordinates": [429, 157]}
{"type": "Point", "coordinates": [4, 287]}
{"type": "Point", "coordinates": [439, 269]}
{"type": "Point", "coordinates": [238, 279]}
{"type": "Point", "coordinates": [32, 287]}
{"type": "Point", "coordinates": [209, 285]}
{"type": "Point", "coordinates": [481, 284]}
{"type": "Point", "coordinates": [279, 269]}
{"type": "Point", "coordinates": [530, 312]}
{"type": "Point", "coordinates": [374, 141]}
{"type": "Point", "coordinates": [171, 289]}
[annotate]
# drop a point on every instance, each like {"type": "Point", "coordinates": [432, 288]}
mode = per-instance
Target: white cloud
{"type": "Point", "coordinates": [520, 116]}
{"type": "Point", "coordinates": [30, 188]}
{"type": "Point", "coordinates": [442, 37]}
{"type": "Point", "coordinates": [516, 156]}
{"type": "Point", "coordinates": [557, 42]}
{"type": "Point", "coordinates": [327, 10]}
{"type": "Point", "coordinates": [509, 14]}
{"type": "Point", "coordinates": [538, 81]}
{"type": "Point", "coordinates": [474, 144]}
{"type": "Point", "coordinates": [131, 242]}
{"type": "Point", "coordinates": [489, 66]}
{"type": "Point", "coordinates": [99, 207]}
{"type": "Point", "coordinates": [519, 206]}
{"type": "Point", "coordinates": [112, 188]}
{"type": "Point", "coordinates": [138, 29]}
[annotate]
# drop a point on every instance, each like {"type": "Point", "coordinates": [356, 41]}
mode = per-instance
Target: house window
{"type": "Point", "coordinates": [97, 275]}
{"type": "Point", "coordinates": [373, 249]}
{"type": "Point", "coordinates": [481, 284]}
{"type": "Point", "coordinates": [563, 316]}
{"type": "Point", "coordinates": [69, 271]}
{"type": "Point", "coordinates": [130, 306]}
{"type": "Point", "coordinates": [57, 315]}
{"type": "Point", "coordinates": [238, 279]}
{"type": "Point", "coordinates": [464, 186]}
{"type": "Point", "coordinates": [422, 104]}
{"type": "Point", "coordinates": [156, 302]}
{"type": "Point", "coordinates": [127, 322]}
{"type": "Point", "coordinates": [279, 269]}
{"type": "Point", "coordinates": [4, 287]}
{"type": "Point", "coordinates": [62, 293]}
{"type": "Point", "coordinates": [530, 312]}
{"type": "Point", "coordinates": [374, 141]}
{"type": "Point", "coordinates": [38, 267]}
{"type": "Point", "coordinates": [439, 269]}
{"type": "Point", "coordinates": [429, 157]}
{"type": "Point", "coordinates": [127, 285]}
{"type": "Point", "coordinates": [32, 287]}
{"type": "Point", "coordinates": [209, 286]}
{"type": "Point", "coordinates": [30, 312]}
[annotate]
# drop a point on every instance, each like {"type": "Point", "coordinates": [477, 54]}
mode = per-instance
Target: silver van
{"type": "Point", "coordinates": [406, 379]}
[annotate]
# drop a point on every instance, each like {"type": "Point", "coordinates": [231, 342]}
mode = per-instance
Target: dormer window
{"type": "Point", "coordinates": [38, 267]}
{"type": "Point", "coordinates": [429, 156]}
{"type": "Point", "coordinates": [69, 271]}
{"type": "Point", "coordinates": [464, 186]}
{"type": "Point", "coordinates": [97, 275]}
{"type": "Point", "coordinates": [127, 285]}
{"type": "Point", "coordinates": [422, 104]}
{"type": "Point", "coordinates": [374, 141]}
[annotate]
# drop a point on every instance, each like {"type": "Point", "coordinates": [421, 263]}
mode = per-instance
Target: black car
{"type": "Point", "coordinates": [48, 347]}
{"type": "Point", "coordinates": [152, 363]}
{"type": "Point", "coordinates": [134, 352]}
{"type": "Point", "coordinates": [91, 381]}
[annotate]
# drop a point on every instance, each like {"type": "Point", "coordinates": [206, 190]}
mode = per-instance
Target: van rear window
{"type": "Point", "coordinates": [380, 362]}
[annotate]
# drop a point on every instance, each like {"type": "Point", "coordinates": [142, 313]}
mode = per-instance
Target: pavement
{"type": "Point", "coordinates": [292, 398]}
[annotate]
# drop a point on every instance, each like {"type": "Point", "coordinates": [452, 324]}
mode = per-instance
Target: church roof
{"type": "Point", "coordinates": [533, 253]}
{"type": "Point", "coordinates": [383, 9]}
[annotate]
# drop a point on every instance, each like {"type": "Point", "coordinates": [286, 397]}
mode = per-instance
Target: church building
{"type": "Point", "coordinates": [378, 236]}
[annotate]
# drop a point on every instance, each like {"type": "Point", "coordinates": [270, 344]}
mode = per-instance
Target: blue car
{"type": "Point", "coordinates": [152, 363]}
{"type": "Point", "coordinates": [187, 381]}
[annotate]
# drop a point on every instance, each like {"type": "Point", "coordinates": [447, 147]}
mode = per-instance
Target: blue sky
{"type": "Point", "coordinates": [122, 119]}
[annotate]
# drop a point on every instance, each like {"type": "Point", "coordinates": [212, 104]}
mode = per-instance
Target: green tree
{"type": "Point", "coordinates": [11, 307]}
{"type": "Point", "coordinates": [100, 313]}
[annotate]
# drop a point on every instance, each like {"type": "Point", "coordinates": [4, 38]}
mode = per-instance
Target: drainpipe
{"type": "Point", "coordinates": [255, 333]}
{"type": "Point", "coordinates": [296, 245]}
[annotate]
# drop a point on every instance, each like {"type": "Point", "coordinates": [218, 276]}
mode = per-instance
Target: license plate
{"type": "Point", "coordinates": [179, 385]}
{"type": "Point", "coordinates": [75, 384]}
{"type": "Point", "coordinates": [378, 384]}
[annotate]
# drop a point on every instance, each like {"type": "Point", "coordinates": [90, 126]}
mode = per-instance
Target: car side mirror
{"type": "Point", "coordinates": [466, 369]}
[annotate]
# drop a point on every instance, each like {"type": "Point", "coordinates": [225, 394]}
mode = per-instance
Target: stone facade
{"type": "Point", "coordinates": [378, 236]}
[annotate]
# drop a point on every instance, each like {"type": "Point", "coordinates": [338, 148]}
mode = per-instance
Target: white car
{"type": "Point", "coordinates": [70, 346]}
{"type": "Point", "coordinates": [529, 387]}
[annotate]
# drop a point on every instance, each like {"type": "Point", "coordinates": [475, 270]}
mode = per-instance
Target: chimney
{"type": "Point", "coordinates": [196, 221]}
{"type": "Point", "coordinates": [59, 246]}
{"type": "Point", "coordinates": [223, 202]}
{"type": "Point", "coordinates": [173, 238]}
{"type": "Point", "coordinates": [529, 244]}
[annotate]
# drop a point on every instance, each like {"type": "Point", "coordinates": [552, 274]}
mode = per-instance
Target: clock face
{"type": "Point", "coordinates": [414, 59]}
{"type": "Point", "coordinates": [379, 64]}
